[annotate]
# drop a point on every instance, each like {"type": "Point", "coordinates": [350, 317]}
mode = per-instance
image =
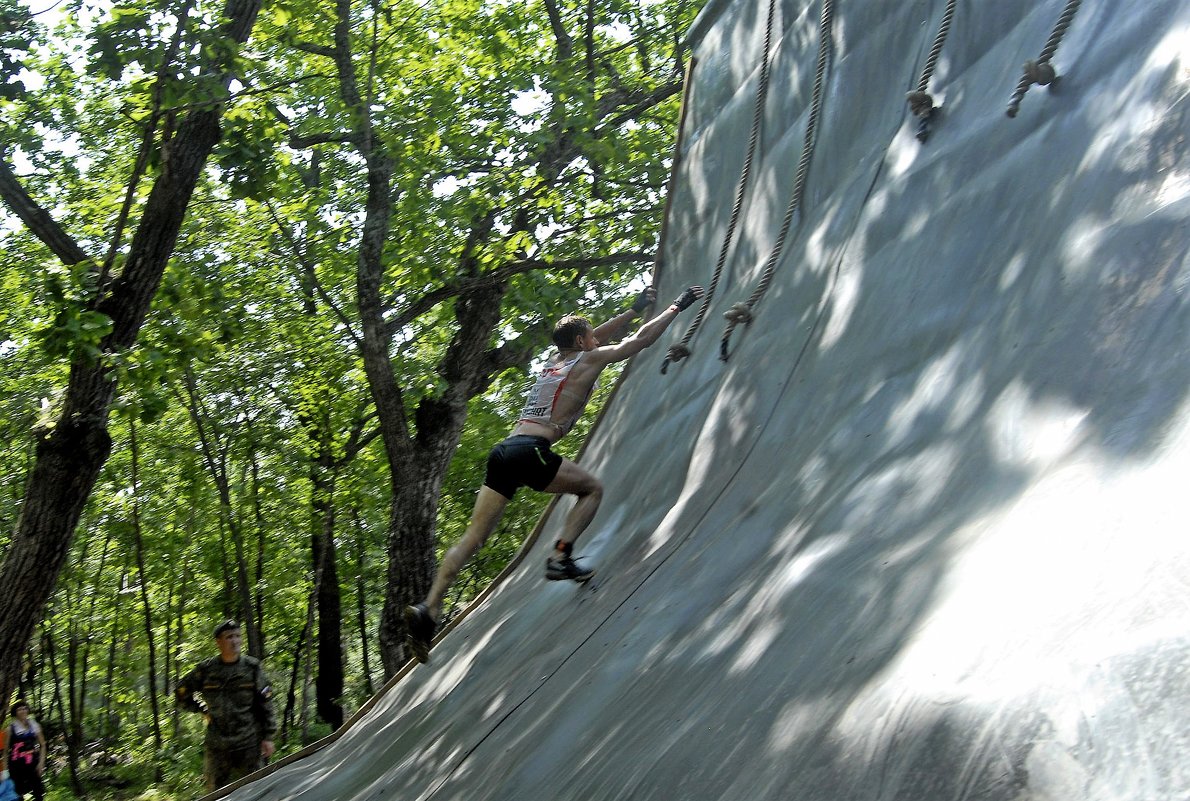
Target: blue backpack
{"type": "Point", "coordinates": [7, 791]}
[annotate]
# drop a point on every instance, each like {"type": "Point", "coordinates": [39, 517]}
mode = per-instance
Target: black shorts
{"type": "Point", "coordinates": [521, 461]}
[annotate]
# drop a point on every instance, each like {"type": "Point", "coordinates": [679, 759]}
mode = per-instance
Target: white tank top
{"type": "Point", "coordinates": [542, 401]}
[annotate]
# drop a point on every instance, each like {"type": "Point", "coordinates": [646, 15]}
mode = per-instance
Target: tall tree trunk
{"type": "Point", "coordinates": [111, 719]}
{"type": "Point", "coordinates": [307, 671]}
{"type": "Point", "coordinates": [361, 603]}
{"type": "Point", "coordinates": [174, 672]}
{"type": "Point", "coordinates": [100, 572]}
{"type": "Point", "coordinates": [147, 607]}
{"type": "Point", "coordinates": [72, 753]}
{"type": "Point", "coordinates": [288, 716]}
{"type": "Point", "coordinates": [412, 523]}
{"type": "Point", "coordinates": [328, 682]}
{"type": "Point", "coordinates": [419, 465]}
{"type": "Point", "coordinates": [406, 548]}
{"type": "Point", "coordinates": [261, 529]}
{"type": "Point", "coordinates": [167, 640]}
{"type": "Point", "coordinates": [70, 455]}
{"type": "Point", "coordinates": [214, 451]}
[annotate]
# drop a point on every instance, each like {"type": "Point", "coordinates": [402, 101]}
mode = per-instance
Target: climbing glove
{"type": "Point", "coordinates": [643, 300]}
{"type": "Point", "coordinates": [688, 297]}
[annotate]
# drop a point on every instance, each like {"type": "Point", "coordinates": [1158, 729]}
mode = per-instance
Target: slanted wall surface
{"type": "Point", "coordinates": [926, 534]}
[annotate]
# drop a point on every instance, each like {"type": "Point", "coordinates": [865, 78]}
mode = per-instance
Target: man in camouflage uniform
{"type": "Point", "coordinates": [232, 692]}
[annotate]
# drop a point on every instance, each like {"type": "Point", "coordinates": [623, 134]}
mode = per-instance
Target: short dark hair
{"type": "Point", "coordinates": [569, 327]}
{"type": "Point", "coordinates": [18, 704]}
{"type": "Point", "coordinates": [226, 625]}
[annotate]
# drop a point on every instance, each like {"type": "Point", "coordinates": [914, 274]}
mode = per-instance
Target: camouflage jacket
{"type": "Point", "coordinates": [236, 700]}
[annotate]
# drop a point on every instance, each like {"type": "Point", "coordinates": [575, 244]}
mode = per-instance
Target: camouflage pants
{"type": "Point", "coordinates": [222, 767]}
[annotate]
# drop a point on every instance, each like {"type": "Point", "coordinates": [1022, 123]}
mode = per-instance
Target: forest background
{"type": "Point", "coordinates": [272, 279]}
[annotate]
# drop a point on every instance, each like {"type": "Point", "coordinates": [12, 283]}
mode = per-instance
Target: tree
{"type": "Point", "coordinates": [103, 321]}
{"type": "Point", "coordinates": [395, 201]}
{"type": "Point", "coordinates": [479, 215]}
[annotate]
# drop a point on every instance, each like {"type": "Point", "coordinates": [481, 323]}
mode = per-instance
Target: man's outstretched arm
{"type": "Point", "coordinates": [647, 334]}
{"type": "Point", "coordinates": [618, 325]}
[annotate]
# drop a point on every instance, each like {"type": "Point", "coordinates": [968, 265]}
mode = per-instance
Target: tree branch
{"type": "Point", "coordinates": [148, 135]}
{"type": "Point", "coordinates": [641, 102]}
{"type": "Point", "coordinates": [511, 354]}
{"type": "Point", "coordinates": [358, 438]}
{"type": "Point", "coordinates": [315, 49]}
{"type": "Point", "coordinates": [420, 307]}
{"type": "Point", "coordinates": [589, 42]}
{"type": "Point", "coordinates": [341, 137]}
{"type": "Point", "coordinates": [36, 219]}
{"type": "Point", "coordinates": [529, 265]}
{"type": "Point", "coordinates": [565, 45]}
{"type": "Point", "coordinates": [318, 287]}
{"type": "Point", "coordinates": [502, 274]}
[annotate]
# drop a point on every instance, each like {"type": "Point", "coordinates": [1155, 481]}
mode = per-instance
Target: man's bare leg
{"type": "Point", "coordinates": [489, 508]}
{"type": "Point", "coordinates": [573, 480]}
{"type": "Point", "coordinates": [421, 619]}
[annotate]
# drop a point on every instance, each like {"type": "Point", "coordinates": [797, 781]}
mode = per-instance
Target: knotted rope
{"type": "Point", "coordinates": [1041, 71]}
{"type": "Point", "coordinates": [921, 103]}
{"type": "Point", "coordinates": [742, 312]}
{"type": "Point", "coordinates": [680, 351]}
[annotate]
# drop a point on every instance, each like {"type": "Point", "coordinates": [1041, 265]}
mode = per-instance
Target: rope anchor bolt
{"type": "Point", "coordinates": [738, 313]}
{"type": "Point", "coordinates": [1041, 73]}
{"type": "Point", "coordinates": [921, 104]}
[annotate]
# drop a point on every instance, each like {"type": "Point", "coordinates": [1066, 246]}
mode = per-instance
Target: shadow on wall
{"type": "Point", "coordinates": [1037, 318]}
{"type": "Point", "coordinates": [936, 360]}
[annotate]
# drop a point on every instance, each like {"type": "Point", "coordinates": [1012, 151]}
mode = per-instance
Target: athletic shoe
{"type": "Point", "coordinates": [565, 568]}
{"type": "Point", "coordinates": [419, 631]}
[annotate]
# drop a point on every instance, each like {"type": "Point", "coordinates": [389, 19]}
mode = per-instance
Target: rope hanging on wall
{"type": "Point", "coordinates": [681, 350]}
{"type": "Point", "coordinates": [742, 312]}
{"type": "Point", "coordinates": [921, 102]}
{"type": "Point", "coordinates": [1041, 71]}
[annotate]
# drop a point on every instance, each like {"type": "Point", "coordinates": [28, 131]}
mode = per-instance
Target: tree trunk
{"type": "Point", "coordinates": [412, 527]}
{"type": "Point", "coordinates": [261, 529]}
{"type": "Point", "coordinates": [90, 616]}
{"type": "Point", "coordinates": [361, 602]}
{"type": "Point", "coordinates": [111, 720]}
{"type": "Point", "coordinates": [144, 592]}
{"type": "Point", "coordinates": [417, 484]}
{"type": "Point", "coordinates": [390, 410]}
{"type": "Point", "coordinates": [288, 716]}
{"type": "Point", "coordinates": [328, 682]}
{"type": "Point", "coordinates": [214, 451]}
{"type": "Point", "coordinates": [70, 455]}
{"type": "Point", "coordinates": [72, 754]}
{"type": "Point", "coordinates": [174, 671]}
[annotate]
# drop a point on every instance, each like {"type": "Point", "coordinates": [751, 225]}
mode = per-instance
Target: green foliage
{"type": "Point", "coordinates": [75, 329]}
{"type": "Point", "coordinates": [18, 33]}
{"type": "Point", "coordinates": [249, 154]}
{"type": "Point", "coordinates": [122, 40]}
{"type": "Point", "coordinates": [246, 386]}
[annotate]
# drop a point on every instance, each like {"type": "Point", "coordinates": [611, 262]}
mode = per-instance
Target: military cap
{"type": "Point", "coordinates": [226, 625]}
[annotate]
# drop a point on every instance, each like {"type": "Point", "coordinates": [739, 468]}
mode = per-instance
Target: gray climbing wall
{"type": "Point", "coordinates": [926, 534]}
